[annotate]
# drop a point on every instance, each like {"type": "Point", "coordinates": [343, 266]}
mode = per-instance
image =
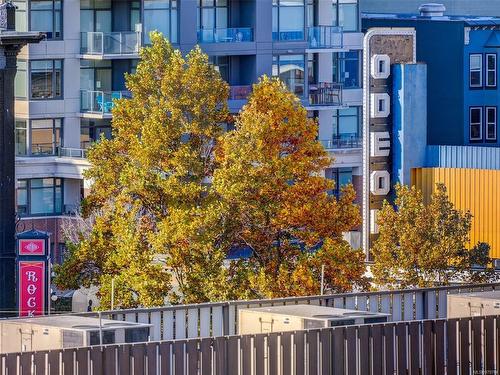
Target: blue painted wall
{"type": "Point", "coordinates": [479, 40]}
{"type": "Point", "coordinates": [440, 46]}
{"type": "Point", "coordinates": [409, 106]}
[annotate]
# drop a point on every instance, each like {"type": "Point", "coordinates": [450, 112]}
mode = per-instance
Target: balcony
{"type": "Point", "coordinates": [99, 104]}
{"type": "Point", "coordinates": [102, 45]}
{"type": "Point", "coordinates": [325, 94]}
{"type": "Point", "coordinates": [325, 37]}
{"type": "Point", "coordinates": [229, 35]}
{"type": "Point", "coordinates": [288, 36]}
{"type": "Point", "coordinates": [342, 143]}
{"type": "Point", "coordinates": [68, 152]}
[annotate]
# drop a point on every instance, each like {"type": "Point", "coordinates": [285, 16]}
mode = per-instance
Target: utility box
{"type": "Point", "coordinates": [473, 304]}
{"type": "Point", "coordinates": [66, 331]}
{"type": "Point", "coordinates": [299, 317]}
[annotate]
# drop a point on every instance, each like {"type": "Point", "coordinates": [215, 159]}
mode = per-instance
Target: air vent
{"type": "Point", "coordinates": [432, 10]}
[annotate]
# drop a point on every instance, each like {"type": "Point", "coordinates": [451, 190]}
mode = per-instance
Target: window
{"type": "Point", "coordinates": [46, 79]}
{"type": "Point", "coordinates": [21, 80]}
{"type": "Point", "coordinates": [21, 18]}
{"type": "Point", "coordinates": [212, 15]}
{"type": "Point", "coordinates": [290, 69]}
{"type": "Point", "coordinates": [476, 70]}
{"type": "Point", "coordinates": [475, 123]}
{"type": "Point", "coordinates": [288, 19]}
{"type": "Point", "coordinates": [161, 15]}
{"type": "Point", "coordinates": [221, 64]}
{"type": "Point", "coordinates": [41, 137]}
{"type": "Point", "coordinates": [491, 70]}
{"type": "Point", "coordinates": [46, 16]}
{"type": "Point", "coordinates": [39, 196]}
{"type": "Point", "coordinates": [93, 130]}
{"type": "Point", "coordinates": [346, 125]}
{"type": "Point", "coordinates": [21, 137]}
{"type": "Point", "coordinates": [345, 14]}
{"type": "Point", "coordinates": [341, 176]}
{"type": "Point", "coordinates": [491, 123]}
{"type": "Point", "coordinates": [347, 69]}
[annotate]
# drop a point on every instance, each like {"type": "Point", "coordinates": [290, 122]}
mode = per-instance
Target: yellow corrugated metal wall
{"type": "Point", "coordinates": [476, 190]}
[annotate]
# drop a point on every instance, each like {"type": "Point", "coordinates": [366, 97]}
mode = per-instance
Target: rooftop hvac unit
{"type": "Point", "coordinates": [299, 317]}
{"type": "Point", "coordinates": [473, 304]}
{"type": "Point", "coordinates": [66, 331]}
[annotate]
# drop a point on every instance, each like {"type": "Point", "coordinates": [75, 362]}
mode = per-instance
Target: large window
{"type": "Point", "coordinates": [213, 14]}
{"type": "Point", "coordinates": [46, 16]}
{"type": "Point", "coordinates": [46, 79]}
{"type": "Point", "coordinates": [476, 70]}
{"type": "Point", "coordinates": [39, 196]}
{"type": "Point", "coordinates": [491, 123]}
{"type": "Point", "coordinates": [290, 69]}
{"type": "Point", "coordinates": [42, 137]}
{"type": "Point", "coordinates": [93, 130]}
{"type": "Point", "coordinates": [341, 176]}
{"type": "Point", "coordinates": [161, 15]}
{"type": "Point", "coordinates": [288, 19]}
{"type": "Point", "coordinates": [345, 14]}
{"type": "Point", "coordinates": [476, 123]}
{"type": "Point", "coordinates": [221, 64]}
{"type": "Point", "coordinates": [491, 70]}
{"type": "Point", "coordinates": [346, 125]}
{"type": "Point", "coordinates": [347, 69]}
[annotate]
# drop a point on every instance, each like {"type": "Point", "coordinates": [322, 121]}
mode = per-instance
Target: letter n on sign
{"type": "Point", "coordinates": [31, 288]}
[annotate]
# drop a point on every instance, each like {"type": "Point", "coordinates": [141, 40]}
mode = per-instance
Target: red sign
{"type": "Point", "coordinates": [31, 288]}
{"type": "Point", "coordinates": [31, 247]}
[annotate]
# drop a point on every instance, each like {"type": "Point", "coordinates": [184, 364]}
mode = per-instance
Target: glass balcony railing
{"type": "Point", "coordinates": [353, 141]}
{"type": "Point", "coordinates": [239, 92]}
{"type": "Point", "coordinates": [72, 152]}
{"type": "Point", "coordinates": [325, 37]}
{"type": "Point", "coordinates": [110, 43]}
{"type": "Point", "coordinates": [230, 35]}
{"type": "Point", "coordinates": [100, 102]}
{"type": "Point", "coordinates": [325, 94]}
{"type": "Point", "coordinates": [288, 36]}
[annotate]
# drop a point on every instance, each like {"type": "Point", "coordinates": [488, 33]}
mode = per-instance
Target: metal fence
{"type": "Point", "coordinates": [218, 319]}
{"type": "Point", "coordinates": [455, 346]}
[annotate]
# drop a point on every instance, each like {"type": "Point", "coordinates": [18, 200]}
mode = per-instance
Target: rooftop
{"type": "Point", "coordinates": [468, 20]}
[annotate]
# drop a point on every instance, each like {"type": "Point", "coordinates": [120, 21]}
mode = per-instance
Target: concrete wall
{"type": "Point", "coordinates": [409, 120]}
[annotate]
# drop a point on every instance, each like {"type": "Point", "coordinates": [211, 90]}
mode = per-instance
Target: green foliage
{"type": "Point", "coordinates": [425, 245]}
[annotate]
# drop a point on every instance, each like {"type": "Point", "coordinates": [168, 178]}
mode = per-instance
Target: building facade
{"type": "Point", "coordinates": [65, 86]}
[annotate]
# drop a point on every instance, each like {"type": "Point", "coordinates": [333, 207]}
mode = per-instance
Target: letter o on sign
{"type": "Point", "coordinates": [380, 182]}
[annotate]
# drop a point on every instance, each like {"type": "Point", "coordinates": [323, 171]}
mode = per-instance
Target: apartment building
{"type": "Point", "coordinates": [65, 85]}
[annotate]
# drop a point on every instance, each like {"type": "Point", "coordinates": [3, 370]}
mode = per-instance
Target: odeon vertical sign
{"type": "Point", "coordinates": [382, 48]}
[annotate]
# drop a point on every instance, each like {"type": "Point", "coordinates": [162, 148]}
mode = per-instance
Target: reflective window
{"type": "Point", "coordinates": [288, 19]}
{"type": "Point", "coordinates": [46, 16]}
{"type": "Point", "coordinates": [346, 124]}
{"type": "Point", "coordinates": [45, 136]}
{"type": "Point", "coordinates": [347, 69]}
{"type": "Point", "coordinates": [46, 79]}
{"type": "Point", "coordinates": [491, 123]}
{"type": "Point", "coordinates": [161, 15]}
{"type": "Point", "coordinates": [21, 137]}
{"type": "Point", "coordinates": [476, 70]}
{"type": "Point", "coordinates": [346, 15]}
{"type": "Point", "coordinates": [40, 196]}
{"type": "Point", "coordinates": [93, 130]}
{"type": "Point", "coordinates": [21, 80]}
{"type": "Point", "coordinates": [221, 64]}
{"type": "Point", "coordinates": [491, 69]}
{"type": "Point", "coordinates": [21, 15]}
{"type": "Point", "coordinates": [341, 176]}
{"type": "Point", "coordinates": [290, 69]}
{"type": "Point", "coordinates": [476, 123]}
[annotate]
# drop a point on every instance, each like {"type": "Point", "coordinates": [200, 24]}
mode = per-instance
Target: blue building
{"type": "Point", "coordinates": [461, 54]}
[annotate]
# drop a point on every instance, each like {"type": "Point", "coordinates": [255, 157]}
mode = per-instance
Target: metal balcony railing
{"type": "Point", "coordinates": [325, 94]}
{"type": "Point", "coordinates": [239, 92]}
{"type": "Point", "coordinates": [342, 142]}
{"type": "Point", "coordinates": [228, 35]}
{"type": "Point", "coordinates": [110, 43]}
{"type": "Point", "coordinates": [43, 149]}
{"type": "Point", "coordinates": [100, 102]}
{"type": "Point", "coordinates": [72, 152]}
{"type": "Point", "coordinates": [325, 37]}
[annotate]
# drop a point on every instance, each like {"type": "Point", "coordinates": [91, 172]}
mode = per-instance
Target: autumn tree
{"type": "Point", "coordinates": [276, 202]}
{"type": "Point", "coordinates": [150, 194]}
{"type": "Point", "coordinates": [422, 245]}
